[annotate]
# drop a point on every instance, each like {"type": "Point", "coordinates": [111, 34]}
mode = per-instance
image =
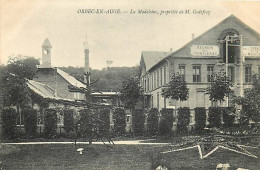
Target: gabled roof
{"type": "Point", "coordinates": [72, 80]}
{"type": "Point", "coordinates": [150, 58]}
{"type": "Point", "coordinates": [44, 90]}
{"type": "Point", "coordinates": [46, 43]}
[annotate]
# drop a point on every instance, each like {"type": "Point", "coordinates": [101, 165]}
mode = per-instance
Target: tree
{"type": "Point", "coordinates": [13, 80]}
{"type": "Point", "coordinates": [130, 92]}
{"type": "Point", "coordinates": [219, 87]}
{"type": "Point", "coordinates": [176, 89]}
{"type": "Point", "coordinates": [251, 101]}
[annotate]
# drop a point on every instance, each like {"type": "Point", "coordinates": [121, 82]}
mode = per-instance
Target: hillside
{"type": "Point", "coordinates": [108, 79]}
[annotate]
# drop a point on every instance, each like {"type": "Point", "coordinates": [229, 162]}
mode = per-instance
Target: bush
{"type": "Point", "coordinates": [183, 120]}
{"type": "Point", "coordinates": [214, 117]}
{"type": "Point", "coordinates": [9, 123]}
{"type": "Point", "coordinates": [200, 119]}
{"type": "Point", "coordinates": [138, 122]}
{"type": "Point", "coordinates": [152, 121]}
{"type": "Point", "coordinates": [119, 118]}
{"type": "Point", "coordinates": [50, 122]}
{"type": "Point", "coordinates": [228, 114]}
{"type": "Point", "coordinates": [68, 120]}
{"type": "Point", "coordinates": [85, 123]}
{"type": "Point", "coordinates": [105, 117]}
{"type": "Point", "coordinates": [167, 114]}
{"type": "Point", "coordinates": [30, 122]}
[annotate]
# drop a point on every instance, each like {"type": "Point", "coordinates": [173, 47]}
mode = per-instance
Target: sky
{"type": "Point", "coordinates": [117, 37]}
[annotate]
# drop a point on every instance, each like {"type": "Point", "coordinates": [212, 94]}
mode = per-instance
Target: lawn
{"type": "Point", "coordinates": [121, 157]}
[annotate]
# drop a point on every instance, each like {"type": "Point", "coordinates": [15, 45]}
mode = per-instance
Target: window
{"type": "Point", "coordinates": [152, 101]}
{"type": "Point", "coordinates": [164, 74]}
{"type": "Point", "coordinates": [248, 74]}
{"type": "Point", "coordinates": [145, 85]}
{"type": "Point", "coordinates": [158, 100]}
{"type": "Point", "coordinates": [155, 80]}
{"type": "Point", "coordinates": [182, 72]}
{"type": "Point", "coordinates": [210, 73]}
{"type": "Point", "coordinates": [231, 74]}
{"type": "Point", "coordinates": [158, 84]}
{"type": "Point", "coordinates": [164, 101]}
{"type": "Point", "coordinates": [196, 74]}
{"type": "Point", "coordinates": [161, 77]}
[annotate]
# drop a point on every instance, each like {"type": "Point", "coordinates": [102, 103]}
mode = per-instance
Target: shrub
{"type": "Point", "coordinates": [85, 123]}
{"type": "Point", "coordinates": [50, 122]}
{"type": "Point", "coordinates": [200, 119]}
{"type": "Point", "coordinates": [152, 121]}
{"type": "Point", "coordinates": [119, 118]}
{"type": "Point", "coordinates": [138, 121]}
{"type": "Point", "coordinates": [105, 117]}
{"type": "Point", "coordinates": [214, 116]}
{"type": "Point", "coordinates": [30, 122]}
{"type": "Point", "coordinates": [228, 114]}
{"type": "Point", "coordinates": [167, 114]}
{"type": "Point", "coordinates": [164, 128]}
{"type": "Point", "coordinates": [183, 120]}
{"type": "Point", "coordinates": [68, 119]}
{"type": "Point", "coordinates": [9, 123]}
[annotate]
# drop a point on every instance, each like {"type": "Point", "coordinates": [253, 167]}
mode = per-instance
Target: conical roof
{"type": "Point", "coordinates": [46, 43]}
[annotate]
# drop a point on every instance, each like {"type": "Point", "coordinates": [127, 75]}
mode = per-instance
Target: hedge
{"type": "Point", "coordinates": [85, 123]}
{"type": "Point", "coordinates": [214, 116]}
{"type": "Point", "coordinates": [68, 120]}
{"type": "Point", "coordinates": [105, 117]}
{"type": "Point", "coordinates": [9, 116]}
{"type": "Point", "coordinates": [183, 120]}
{"type": "Point", "coordinates": [138, 122]}
{"type": "Point", "coordinates": [30, 122]}
{"type": "Point", "coordinates": [166, 123]}
{"type": "Point", "coordinates": [50, 122]}
{"type": "Point", "coordinates": [152, 121]}
{"type": "Point", "coordinates": [119, 118]}
{"type": "Point", "coordinates": [228, 114]}
{"type": "Point", "coordinates": [200, 118]}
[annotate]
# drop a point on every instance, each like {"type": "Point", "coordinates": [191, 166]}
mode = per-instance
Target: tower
{"type": "Point", "coordinates": [46, 53]}
{"type": "Point", "coordinates": [86, 69]}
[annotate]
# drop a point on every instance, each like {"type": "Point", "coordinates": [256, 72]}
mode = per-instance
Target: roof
{"type": "Point", "coordinates": [43, 90]}
{"type": "Point", "coordinates": [72, 80]}
{"type": "Point", "coordinates": [228, 19]}
{"type": "Point", "coordinates": [46, 43]}
{"type": "Point", "coordinates": [150, 58]}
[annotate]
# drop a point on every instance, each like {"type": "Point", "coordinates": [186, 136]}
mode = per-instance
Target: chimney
{"type": "Point", "coordinates": [86, 69]}
{"type": "Point", "coordinates": [192, 36]}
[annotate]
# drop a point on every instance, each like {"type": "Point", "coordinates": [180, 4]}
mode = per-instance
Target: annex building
{"type": "Point", "coordinates": [231, 46]}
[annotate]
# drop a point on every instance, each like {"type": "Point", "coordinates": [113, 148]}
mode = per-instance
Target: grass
{"type": "Point", "coordinates": [121, 157]}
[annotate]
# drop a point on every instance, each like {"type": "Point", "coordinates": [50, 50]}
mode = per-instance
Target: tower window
{"type": "Point", "coordinates": [248, 74]}
{"type": "Point", "coordinates": [196, 74]}
{"type": "Point", "coordinates": [210, 73]}
{"type": "Point", "coordinates": [45, 51]}
{"type": "Point", "coordinates": [182, 72]}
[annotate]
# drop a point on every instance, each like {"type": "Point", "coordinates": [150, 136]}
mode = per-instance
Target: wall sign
{"type": "Point", "coordinates": [204, 50]}
{"type": "Point", "coordinates": [251, 51]}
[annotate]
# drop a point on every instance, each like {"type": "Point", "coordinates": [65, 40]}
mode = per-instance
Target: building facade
{"type": "Point", "coordinates": [230, 41]}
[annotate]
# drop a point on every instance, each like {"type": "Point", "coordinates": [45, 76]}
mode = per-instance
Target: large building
{"type": "Point", "coordinates": [230, 46]}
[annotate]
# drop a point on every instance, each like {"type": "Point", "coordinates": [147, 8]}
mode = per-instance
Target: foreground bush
{"type": "Point", "coordinates": [119, 117]}
{"type": "Point", "coordinates": [214, 117]}
{"type": "Point", "coordinates": [228, 114]}
{"type": "Point", "coordinates": [200, 119]}
{"type": "Point", "coordinates": [9, 123]}
{"type": "Point", "coordinates": [166, 123]}
{"type": "Point", "coordinates": [105, 117]}
{"type": "Point", "coordinates": [152, 122]}
{"type": "Point", "coordinates": [138, 122]}
{"type": "Point", "coordinates": [50, 122]}
{"type": "Point", "coordinates": [68, 120]}
{"type": "Point", "coordinates": [86, 124]}
{"type": "Point", "coordinates": [30, 122]}
{"type": "Point", "coordinates": [183, 120]}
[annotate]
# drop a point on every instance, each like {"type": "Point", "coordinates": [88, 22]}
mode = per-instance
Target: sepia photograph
{"type": "Point", "coordinates": [129, 85]}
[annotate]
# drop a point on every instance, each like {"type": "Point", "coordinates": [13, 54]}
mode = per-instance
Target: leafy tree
{"type": "Point", "coordinates": [176, 89]}
{"type": "Point", "coordinates": [251, 101]}
{"type": "Point", "coordinates": [219, 87]}
{"type": "Point", "coordinates": [130, 92]}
